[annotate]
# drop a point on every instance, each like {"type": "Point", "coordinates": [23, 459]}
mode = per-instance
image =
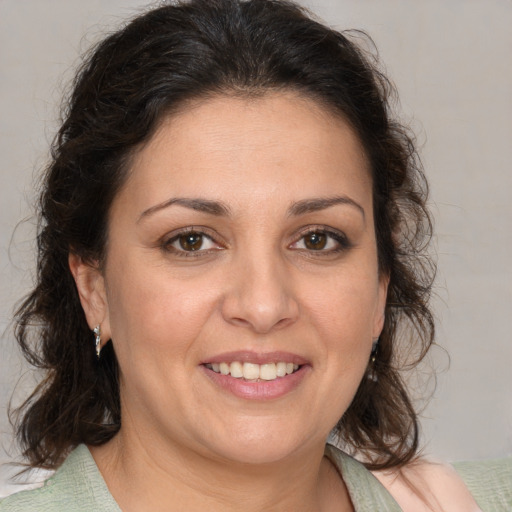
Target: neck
{"type": "Point", "coordinates": [151, 477]}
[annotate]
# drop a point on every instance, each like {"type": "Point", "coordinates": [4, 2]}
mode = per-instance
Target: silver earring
{"type": "Point", "coordinates": [372, 374]}
{"type": "Point", "coordinates": [97, 333]}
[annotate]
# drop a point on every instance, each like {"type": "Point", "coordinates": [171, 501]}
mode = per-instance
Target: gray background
{"type": "Point", "coordinates": [450, 60]}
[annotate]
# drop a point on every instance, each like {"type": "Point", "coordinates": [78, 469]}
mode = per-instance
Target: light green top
{"type": "Point", "coordinates": [78, 486]}
{"type": "Point", "coordinates": [490, 483]}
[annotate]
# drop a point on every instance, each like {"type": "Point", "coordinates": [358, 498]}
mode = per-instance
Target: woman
{"type": "Point", "coordinates": [231, 241]}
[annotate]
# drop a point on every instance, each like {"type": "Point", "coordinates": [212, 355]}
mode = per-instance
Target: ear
{"type": "Point", "coordinates": [90, 284]}
{"type": "Point", "coordinates": [380, 310]}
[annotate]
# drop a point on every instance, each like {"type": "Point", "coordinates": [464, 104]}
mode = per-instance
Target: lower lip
{"type": "Point", "coordinates": [261, 390]}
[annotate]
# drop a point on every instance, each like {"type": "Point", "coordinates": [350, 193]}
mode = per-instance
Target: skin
{"type": "Point", "coordinates": [426, 486]}
{"type": "Point", "coordinates": [254, 285]}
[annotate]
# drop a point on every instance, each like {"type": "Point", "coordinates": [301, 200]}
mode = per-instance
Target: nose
{"type": "Point", "coordinates": [260, 295]}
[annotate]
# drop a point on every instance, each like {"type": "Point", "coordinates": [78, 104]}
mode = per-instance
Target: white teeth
{"type": "Point", "coordinates": [268, 371]}
{"type": "Point", "coordinates": [281, 369]}
{"type": "Point", "coordinates": [236, 370]}
{"type": "Point", "coordinates": [253, 371]}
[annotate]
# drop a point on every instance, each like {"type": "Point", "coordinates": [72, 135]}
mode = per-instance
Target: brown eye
{"type": "Point", "coordinates": [322, 241]}
{"type": "Point", "coordinates": [315, 241]}
{"type": "Point", "coordinates": [190, 241]}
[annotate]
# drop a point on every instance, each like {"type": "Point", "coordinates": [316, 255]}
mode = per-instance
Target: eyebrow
{"type": "Point", "coordinates": [220, 209]}
{"type": "Point", "coordinates": [322, 203]}
{"type": "Point", "coordinates": [200, 205]}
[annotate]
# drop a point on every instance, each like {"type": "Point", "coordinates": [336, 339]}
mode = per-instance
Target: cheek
{"type": "Point", "coordinates": [150, 310]}
{"type": "Point", "coordinates": [345, 306]}
{"type": "Point", "coordinates": [342, 313]}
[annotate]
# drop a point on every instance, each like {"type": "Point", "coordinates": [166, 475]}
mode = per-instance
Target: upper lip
{"type": "Point", "coordinates": [247, 356]}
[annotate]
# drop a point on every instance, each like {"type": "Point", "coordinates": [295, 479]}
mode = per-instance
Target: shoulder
{"type": "Point", "coordinates": [365, 491]}
{"type": "Point", "coordinates": [426, 486]}
{"type": "Point", "coordinates": [77, 486]}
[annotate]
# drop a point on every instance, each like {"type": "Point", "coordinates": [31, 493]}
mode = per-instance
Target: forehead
{"type": "Point", "coordinates": [278, 145]}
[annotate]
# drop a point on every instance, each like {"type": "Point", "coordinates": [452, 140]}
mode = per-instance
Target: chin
{"type": "Point", "coordinates": [260, 446]}
{"type": "Point", "coordinates": [259, 453]}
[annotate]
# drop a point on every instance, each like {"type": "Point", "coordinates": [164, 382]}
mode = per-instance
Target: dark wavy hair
{"type": "Point", "coordinates": [126, 85]}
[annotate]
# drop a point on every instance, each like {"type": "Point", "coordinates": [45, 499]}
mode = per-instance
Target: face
{"type": "Point", "coordinates": [241, 287]}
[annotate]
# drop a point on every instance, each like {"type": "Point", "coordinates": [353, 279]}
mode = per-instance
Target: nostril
{"type": "Point", "coordinates": [240, 322]}
{"type": "Point", "coordinates": [283, 322]}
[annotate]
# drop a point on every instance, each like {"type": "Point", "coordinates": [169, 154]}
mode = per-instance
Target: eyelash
{"type": "Point", "coordinates": [338, 237]}
{"type": "Point", "coordinates": [167, 244]}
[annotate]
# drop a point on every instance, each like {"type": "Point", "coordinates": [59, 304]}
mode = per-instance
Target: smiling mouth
{"type": "Point", "coordinates": [253, 372]}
